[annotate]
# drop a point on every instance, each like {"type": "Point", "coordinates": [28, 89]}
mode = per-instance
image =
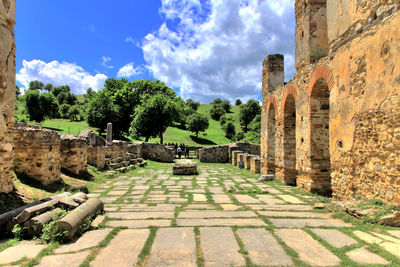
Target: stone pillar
{"type": "Point", "coordinates": [255, 164]}
{"type": "Point", "coordinates": [7, 93]}
{"type": "Point", "coordinates": [247, 158]}
{"type": "Point", "coordinates": [92, 139]}
{"type": "Point", "coordinates": [109, 133]}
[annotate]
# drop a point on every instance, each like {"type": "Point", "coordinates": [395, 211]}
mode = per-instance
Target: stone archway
{"type": "Point", "coordinates": [289, 140]}
{"type": "Point", "coordinates": [271, 138]}
{"type": "Point", "coordinates": [319, 138]}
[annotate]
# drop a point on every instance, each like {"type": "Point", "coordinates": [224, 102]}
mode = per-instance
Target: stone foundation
{"type": "Point", "coordinates": [96, 156]}
{"type": "Point", "coordinates": [255, 164]}
{"type": "Point", "coordinates": [37, 154]}
{"type": "Point", "coordinates": [235, 157]}
{"type": "Point", "coordinates": [74, 155]}
{"type": "Point", "coordinates": [215, 154]}
{"type": "Point", "coordinates": [185, 169]}
{"type": "Point", "coordinates": [7, 93]}
{"type": "Point", "coordinates": [247, 158]}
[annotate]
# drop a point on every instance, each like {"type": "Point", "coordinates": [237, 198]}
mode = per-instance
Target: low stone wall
{"type": "Point", "coordinates": [247, 159]}
{"type": "Point", "coordinates": [37, 153]}
{"type": "Point", "coordinates": [255, 164]}
{"type": "Point", "coordinates": [74, 155]}
{"type": "Point", "coordinates": [215, 154]}
{"type": "Point", "coordinates": [135, 149]}
{"type": "Point", "coordinates": [234, 157]}
{"type": "Point", "coordinates": [92, 139]}
{"type": "Point", "coordinates": [157, 152]}
{"type": "Point", "coordinates": [96, 156]}
{"type": "Point", "coordinates": [245, 147]}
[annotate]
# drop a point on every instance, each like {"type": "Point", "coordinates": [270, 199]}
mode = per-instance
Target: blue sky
{"type": "Point", "coordinates": [202, 49]}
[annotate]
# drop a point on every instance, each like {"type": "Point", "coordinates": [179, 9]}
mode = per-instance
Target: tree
{"type": "Point", "coordinates": [238, 102]}
{"type": "Point", "coordinates": [224, 119]}
{"type": "Point", "coordinates": [197, 123]}
{"type": "Point", "coordinates": [216, 101]}
{"type": "Point", "coordinates": [74, 112]}
{"type": "Point", "coordinates": [40, 106]}
{"type": "Point", "coordinates": [229, 129]}
{"type": "Point", "coordinates": [253, 134]}
{"type": "Point", "coordinates": [247, 113]}
{"type": "Point", "coordinates": [192, 104]}
{"type": "Point", "coordinates": [48, 87]}
{"type": "Point", "coordinates": [217, 111]}
{"type": "Point", "coordinates": [36, 85]}
{"type": "Point", "coordinates": [17, 91]}
{"type": "Point", "coordinates": [63, 110]}
{"type": "Point", "coordinates": [101, 111]}
{"type": "Point", "coordinates": [226, 105]}
{"type": "Point", "coordinates": [153, 116]}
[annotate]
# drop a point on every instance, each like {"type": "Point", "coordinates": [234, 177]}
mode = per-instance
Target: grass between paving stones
{"type": "Point", "coordinates": [144, 254]}
{"type": "Point", "coordinates": [199, 252]}
{"type": "Point", "coordinates": [49, 250]}
{"type": "Point", "coordinates": [8, 243]}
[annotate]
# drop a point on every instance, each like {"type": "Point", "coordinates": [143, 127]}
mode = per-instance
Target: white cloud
{"type": "Point", "coordinates": [105, 62]}
{"type": "Point", "coordinates": [92, 28]}
{"type": "Point", "coordinates": [128, 71]}
{"type": "Point", "coordinates": [216, 48]}
{"type": "Point", "coordinates": [57, 73]}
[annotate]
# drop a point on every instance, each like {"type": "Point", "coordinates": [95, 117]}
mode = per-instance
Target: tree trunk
{"type": "Point", "coordinates": [147, 139]}
{"type": "Point", "coordinates": [161, 138]}
{"type": "Point", "coordinates": [197, 134]}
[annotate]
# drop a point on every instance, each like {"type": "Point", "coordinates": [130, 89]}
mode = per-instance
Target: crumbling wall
{"type": "Point", "coordinates": [135, 149]}
{"type": "Point", "coordinates": [96, 156]}
{"type": "Point", "coordinates": [214, 154]}
{"type": "Point", "coordinates": [157, 152]}
{"type": "Point", "coordinates": [37, 154]}
{"type": "Point", "coordinates": [7, 93]}
{"type": "Point", "coordinates": [74, 155]}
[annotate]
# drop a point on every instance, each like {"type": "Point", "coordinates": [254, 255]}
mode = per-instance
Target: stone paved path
{"type": "Point", "coordinates": [156, 219]}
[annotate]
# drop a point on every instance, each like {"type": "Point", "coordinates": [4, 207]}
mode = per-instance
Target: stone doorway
{"type": "Point", "coordinates": [271, 140]}
{"type": "Point", "coordinates": [289, 141]}
{"type": "Point", "coordinates": [320, 156]}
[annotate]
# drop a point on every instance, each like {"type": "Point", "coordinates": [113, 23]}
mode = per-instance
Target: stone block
{"type": "Point", "coordinates": [185, 169]}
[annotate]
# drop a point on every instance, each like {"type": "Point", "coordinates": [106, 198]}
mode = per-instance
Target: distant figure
{"type": "Point", "coordinates": [187, 151]}
{"type": "Point", "coordinates": [179, 151]}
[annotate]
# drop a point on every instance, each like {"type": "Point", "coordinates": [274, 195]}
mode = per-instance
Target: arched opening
{"type": "Point", "coordinates": [320, 157]}
{"type": "Point", "coordinates": [289, 141]}
{"type": "Point", "coordinates": [271, 140]}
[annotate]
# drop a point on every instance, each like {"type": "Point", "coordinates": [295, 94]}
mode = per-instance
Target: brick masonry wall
{"type": "Point", "coordinates": [7, 93]}
{"type": "Point", "coordinates": [37, 154]}
{"type": "Point", "coordinates": [215, 154]}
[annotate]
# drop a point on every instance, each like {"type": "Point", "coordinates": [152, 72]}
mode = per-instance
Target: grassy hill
{"type": "Point", "coordinates": [214, 135]}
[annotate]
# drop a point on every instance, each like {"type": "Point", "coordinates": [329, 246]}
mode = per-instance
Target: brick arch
{"type": "Point", "coordinates": [272, 101]}
{"type": "Point", "coordinates": [322, 72]}
{"type": "Point", "coordinates": [290, 90]}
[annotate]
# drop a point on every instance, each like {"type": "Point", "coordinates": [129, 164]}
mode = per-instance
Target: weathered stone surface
{"type": "Point", "coordinates": [363, 256]}
{"type": "Point", "coordinates": [307, 222]}
{"type": "Point", "coordinates": [70, 260]}
{"type": "Point", "coordinates": [186, 168]}
{"type": "Point", "coordinates": [216, 214]}
{"type": "Point", "coordinates": [221, 199]}
{"type": "Point", "coordinates": [223, 222]}
{"type": "Point", "coordinates": [290, 214]}
{"type": "Point", "coordinates": [308, 249]}
{"type": "Point", "coordinates": [263, 248]}
{"type": "Point", "coordinates": [266, 177]}
{"type": "Point", "coordinates": [24, 249]}
{"type": "Point", "coordinates": [391, 219]}
{"type": "Point", "coordinates": [157, 152]}
{"type": "Point", "coordinates": [74, 155]}
{"type": "Point", "coordinates": [246, 199]}
{"type": "Point", "coordinates": [291, 199]}
{"type": "Point", "coordinates": [123, 249]}
{"type": "Point", "coordinates": [139, 223]}
{"type": "Point", "coordinates": [89, 239]}
{"type": "Point", "coordinates": [334, 237]}
{"type": "Point", "coordinates": [281, 207]}
{"type": "Point", "coordinates": [141, 215]}
{"type": "Point", "coordinates": [173, 247]}
{"type": "Point", "coordinates": [199, 198]}
{"type": "Point", "coordinates": [220, 248]}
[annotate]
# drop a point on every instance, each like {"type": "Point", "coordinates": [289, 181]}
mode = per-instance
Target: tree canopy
{"type": "Point", "coordinates": [197, 123]}
{"type": "Point", "coordinates": [101, 111]}
{"type": "Point", "coordinates": [247, 113]}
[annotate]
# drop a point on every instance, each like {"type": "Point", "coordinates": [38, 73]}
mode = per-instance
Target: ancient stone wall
{"type": "Point", "coordinates": [96, 156]}
{"type": "Point", "coordinates": [92, 139]}
{"type": "Point", "coordinates": [37, 154]}
{"type": "Point", "coordinates": [215, 154]}
{"type": "Point", "coordinates": [255, 164]}
{"type": "Point", "coordinates": [333, 127]}
{"type": "Point", "coordinates": [7, 93]}
{"type": "Point", "coordinates": [135, 149]}
{"type": "Point", "coordinates": [157, 152]}
{"type": "Point", "coordinates": [74, 155]}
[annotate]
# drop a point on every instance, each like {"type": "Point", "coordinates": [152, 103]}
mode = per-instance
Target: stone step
{"type": "Point", "coordinates": [110, 173]}
{"type": "Point", "coordinates": [125, 163]}
{"type": "Point", "coordinates": [123, 169]}
{"type": "Point", "coordinates": [131, 167]}
{"type": "Point", "coordinates": [142, 164]}
{"type": "Point", "coordinates": [117, 160]}
{"type": "Point", "coordinates": [114, 165]}
{"type": "Point", "coordinates": [140, 160]}
{"type": "Point", "coordinates": [133, 161]}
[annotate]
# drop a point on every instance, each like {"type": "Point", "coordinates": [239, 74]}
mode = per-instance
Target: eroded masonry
{"type": "Point", "coordinates": [335, 127]}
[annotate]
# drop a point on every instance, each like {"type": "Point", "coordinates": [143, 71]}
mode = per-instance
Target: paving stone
{"type": "Point", "coordinates": [137, 192]}
{"type": "Point", "coordinates": [334, 237]}
{"type": "Point", "coordinates": [199, 197]}
{"type": "Point", "coordinates": [274, 191]}
{"type": "Point", "coordinates": [306, 222]}
{"type": "Point", "coordinates": [221, 199]}
{"type": "Point", "coordinates": [141, 187]}
{"type": "Point", "coordinates": [70, 260]}
{"type": "Point", "coordinates": [216, 214]}
{"type": "Point", "coordinates": [116, 193]}
{"type": "Point", "coordinates": [268, 199]}
{"type": "Point", "coordinates": [177, 200]}
{"type": "Point", "coordinates": [246, 199]}
{"type": "Point", "coordinates": [197, 191]}
{"type": "Point", "coordinates": [363, 256]}
{"type": "Point", "coordinates": [141, 215]}
{"type": "Point", "coordinates": [215, 190]}
{"type": "Point", "coordinates": [123, 249]}
{"type": "Point", "coordinates": [371, 239]}
{"type": "Point", "coordinates": [169, 183]}
{"type": "Point", "coordinates": [263, 248]}
{"type": "Point", "coordinates": [223, 222]}
{"type": "Point", "coordinates": [173, 247]}
{"type": "Point", "coordinates": [89, 239]}
{"type": "Point", "coordinates": [281, 207]}
{"type": "Point", "coordinates": [185, 183]}
{"type": "Point", "coordinates": [200, 207]}
{"type": "Point", "coordinates": [290, 214]}
{"type": "Point", "coordinates": [230, 207]}
{"type": "Point", "coordinates": [395, 233]}
{"type": "Point", "coordinates": [24, 249]}
{"type": "Point", "coordinates": [291, 199]}
{"type": "Point", "coordinates": [387, 238]}
{"type": "Point", "coordinates": [108, 199]}
{"type": "Point", "coordinates": [139, 223]}
{"type": "Point", "coordinates": [219, 247]}
{"type": "Point", "coordinates": [309, 250]}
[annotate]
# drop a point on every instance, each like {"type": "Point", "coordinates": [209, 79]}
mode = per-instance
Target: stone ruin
{"type": "Point", "coordinates": [334, 128]}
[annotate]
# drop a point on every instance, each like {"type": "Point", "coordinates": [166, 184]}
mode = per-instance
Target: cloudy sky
{"type": "Point", "coordinates": [202, 49]}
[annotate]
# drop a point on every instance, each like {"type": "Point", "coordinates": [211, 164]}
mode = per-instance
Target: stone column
{"type": "Point", "coordinates": [109, 133]}
{"type": "Point", "coordinates": [7, 93]}
{"type": "Point", "coordinates": [92, 139]}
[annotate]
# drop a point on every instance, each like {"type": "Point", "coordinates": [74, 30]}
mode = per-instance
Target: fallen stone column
{"type": "Point", "coordinates": [72, 221]}
{"type": "Point", "coordinates": [35, 225]}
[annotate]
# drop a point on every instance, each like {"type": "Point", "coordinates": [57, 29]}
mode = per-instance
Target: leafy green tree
{"type": "Point", "coordinates": [153, 116]}
{"type": "Point", "coordinates": [238, 102]}
{"type": "Point", "coordinates": [247, 113]}
{"type": "Point", "coordinates": [101, 111]}
{"type": "Point", "coordinates": [253, 134]}
{"type": "Point", "coordinates": [224, 119]}
{"type": "Point", "coordinates": [216, 101]}
{"type": "Point", "coordinates": [217, 111]}
{"type": "Point", "coordinates": [36, 85]}
{"type": "Point", "coordinates": [63, 110]}
{"type": "Point", "coordinates": [74, 112]}
{"type": "Point", "coordinates": [48, 87]}
{"type": "Point", "coordinates": [59, 89]}
{"type": "Point", "coordinates": [17, 91]}
{"type": "Point", "coordinates": [193, 104]}
{"type": "Point", "coordinates": [197, 123]}
{"type": "Point", "coordinates": [226, 105]}
{"type": "Point", "coordinates": [40, 106]}
{"type": "Point", "coordinates": [229, 129]}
